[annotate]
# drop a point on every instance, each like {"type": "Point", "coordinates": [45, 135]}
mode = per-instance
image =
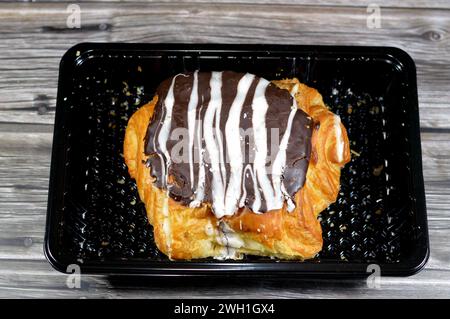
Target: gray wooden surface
{"type": "Point", "coordinates": [33, 37]}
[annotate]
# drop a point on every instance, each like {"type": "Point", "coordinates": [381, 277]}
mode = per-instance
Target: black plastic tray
{"type": "Point", "coordinates": [96, 220]}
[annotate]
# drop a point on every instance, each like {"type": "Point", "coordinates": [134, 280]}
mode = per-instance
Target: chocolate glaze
{"type": "Point", "coordinates": [174, 173]}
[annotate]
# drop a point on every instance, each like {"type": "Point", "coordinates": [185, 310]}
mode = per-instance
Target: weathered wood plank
{"type": "Point", "coordinates": [357, 3]}
{"type": "Point", "coordinates": [37, 279]}
{"type": "Point", "coordinates": [40, 36]}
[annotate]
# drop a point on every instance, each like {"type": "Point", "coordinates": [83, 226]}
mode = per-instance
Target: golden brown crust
{"type": "Point", "coordinates": [188, 233]}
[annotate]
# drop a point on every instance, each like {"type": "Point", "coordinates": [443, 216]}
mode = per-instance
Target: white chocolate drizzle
{"type": "Point", "coordinates": [228, 184]}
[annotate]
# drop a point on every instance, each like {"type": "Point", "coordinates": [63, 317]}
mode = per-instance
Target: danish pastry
{"type": "Point", "coordinates": [229, 164]}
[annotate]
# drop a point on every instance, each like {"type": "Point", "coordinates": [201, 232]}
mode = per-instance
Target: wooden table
{"type": "Point", "coordinates": [33, 37]}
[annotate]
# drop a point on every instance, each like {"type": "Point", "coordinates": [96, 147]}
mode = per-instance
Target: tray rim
{"type": "Point", "coordinates": [247, 269]}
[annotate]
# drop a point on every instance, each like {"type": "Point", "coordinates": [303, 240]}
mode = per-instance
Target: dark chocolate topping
{"type": "Point", "coordinates": [231, 139]}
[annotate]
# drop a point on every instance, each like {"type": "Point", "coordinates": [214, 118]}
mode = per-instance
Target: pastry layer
{"type": "Point", "coordinates": [183, 232]}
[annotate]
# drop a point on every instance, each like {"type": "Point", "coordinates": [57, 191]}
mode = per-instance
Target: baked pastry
{"type": "Point", "coordinates": [230, 164]}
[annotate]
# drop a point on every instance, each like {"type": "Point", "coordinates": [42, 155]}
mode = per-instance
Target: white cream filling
{"type": "Point", "coordinates": [230, 240]}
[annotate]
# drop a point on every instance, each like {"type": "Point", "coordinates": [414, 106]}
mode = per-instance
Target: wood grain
{"type": "Point", "coordinates": [37, 37]}
{"type": "Point", "coordinates": [33, 37]}
{"type": "Point", "coordinates": [39, 279]}
{"type": "Point", "coordinates": [438, 4]}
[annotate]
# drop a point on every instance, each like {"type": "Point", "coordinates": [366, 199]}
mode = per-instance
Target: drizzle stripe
{"type": "Point", "coordinates": [232, 133]}
{"type": "Point", "coordinates": [192, 108]}
{"type": "Point", "coordinates": [280, 160]}
{"type": "Point", "coordinates": [259, 110]}
{"type": "Point", "coordinates": [165, 129]}
{"type": "Point", "coordinates": [215, 102]}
